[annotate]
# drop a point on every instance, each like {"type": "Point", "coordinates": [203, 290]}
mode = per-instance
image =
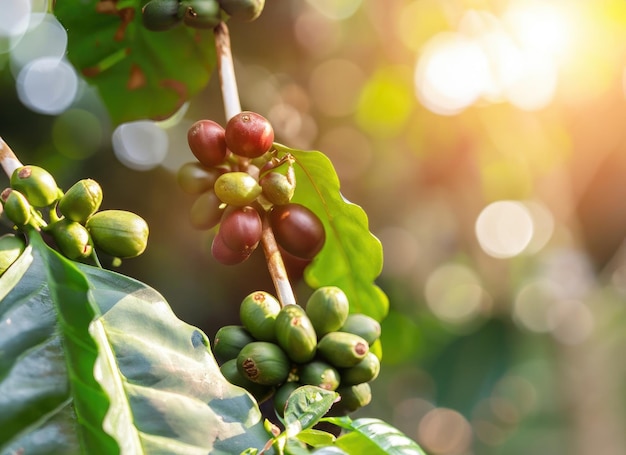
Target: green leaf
{"type": "Point", "coordinates": [352, 257]}
{"type": "Point", "coordinates": [374, 437]}
{"type": "Point", "coordinates": [136, 376]}
{"type": "Point", "coordinates": [139, 73]}
{"type": "Point", "coordinates": [316, 438]}
{"type": "Point", "coordinates": [305, 407]}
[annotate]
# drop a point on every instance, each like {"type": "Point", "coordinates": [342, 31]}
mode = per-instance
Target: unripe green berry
{"type": "Point", "coordinates": [257, 313]}
{"type": "Point", "coordinates": [36, 184]}
{"type": "Point", "coordinates": [327, 309]}
{"type": "Point", "coordinates": [277, 188]}
{"type": "Point", "coordinates": [81, 201]}
{"type": "Point", "coordinates": [160, 15]}
{"type": "Point", "coordinates": [203, 14]}
{"type": "Point", "coordinates": [119, 233]}
{"type": "Point", "coordinates": [243, 10]}
{"type": "Point", "coordinates": [237, 188]}
{"type": "Point", "coordinates": [72, 238]}
{"type": "Point", "coordinates": [16, 207]}
{"type": "Point", "coordinates": [11, 247]}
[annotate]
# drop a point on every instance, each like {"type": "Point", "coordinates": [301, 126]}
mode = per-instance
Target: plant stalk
{"type": "Point", "coordinates": [232, 106]}
{"type": "Point", "coordinates": [8, 159]}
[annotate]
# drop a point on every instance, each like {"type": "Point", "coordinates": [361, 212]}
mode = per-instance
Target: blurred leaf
{"type": "Point", "coordinates": [139, 73]}
{"type": "Point", "coordinates": [352, 256]}
{"type": "Point", "coordinates": [374, 437]}
{"type": "Point", "coordinates": [158, 389]}
{"type": "Point", "coordinates": [316, 438]}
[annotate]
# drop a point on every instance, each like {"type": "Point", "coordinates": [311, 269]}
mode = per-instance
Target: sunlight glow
{"type": "Point", "coordinates": [504, 228]}
{"type": "Point", "coordinates": [140, 145]}
{"type": "Point", "coordinates": [47, 85]}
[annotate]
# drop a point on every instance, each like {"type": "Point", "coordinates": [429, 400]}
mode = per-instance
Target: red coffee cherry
{"type": "Point", "coordinates": [207, 143]}
{"type": "Point", "coordinates": [249, 134]}
{"type": "Point", "coordinates": [225, 255]}
{"type": "Point", "coordinates": [240, 228]}
{"type": "Point", "coordinates": [297, 230]}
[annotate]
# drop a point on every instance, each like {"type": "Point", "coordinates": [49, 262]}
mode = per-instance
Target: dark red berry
{"type": "Point", "coordinates": [249, 134]}
{"type": "Point", "coordinates": [240, 228]}
{"type": "Point", "coordinates": [225, 255]}
{"type": "Point", "coordinates": [297, 230]}
{"type": "Point", "coordinates": [207, 143]}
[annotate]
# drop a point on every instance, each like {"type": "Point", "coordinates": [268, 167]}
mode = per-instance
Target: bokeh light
{"type": "Point", "coordinates": [47, 85]}
{"type": "Point", "coordinates": [336, 9]}
{"type": "Point", "coordinates": [140, 145]}
{"type": "Point", "coordinates": [77, 134]}
{"type": "Point", "coordinates": [504, 228]}
{"type": "Point", "coordinates": [47, 39]}
{"type": "Point", "coordinates": [445, 431]}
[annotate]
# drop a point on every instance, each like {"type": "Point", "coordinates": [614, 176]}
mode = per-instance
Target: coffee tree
{"type": "Point", "coordinates": [95, 362]}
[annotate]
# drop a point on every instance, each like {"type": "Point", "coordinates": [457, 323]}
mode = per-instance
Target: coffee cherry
{"type": "Point", "coordinates": [237, 188]}
{"type": "Point", "coordinates": [16, 207]}
{"type": "Point", "coordinates": [205, 212]}
{"type": "Point", "coordinates": [229, 340]}
{"type": "Point", "coordinates": [243, 10]}
{"type": "Point", "coordinates": [327, 308]}
{"type": "Point", "coordinates": [282, 395]}
{"type": "Point", "coordinates": [11, 247]}
{"type": "Point", "coordinates": [36, 184]}
{"type": "Point", "coordinates": [342, 350]}
{"type": "Point", "coordinates": [241, 228]}
{"type": "Point", "coordinates": [160, 15]}
{"type": "Point", "coordinates": [365, 371]}
{"type": "Point", "coordinates": [203, 14]}
{"type": "Point", "coordinates": [72, 238]}
{"type": "Point", "coordinates": [260, 392]}
{"type": "Point", "coordinates": [225, 255]}
{"type": "Point", "coordinates": [263, 363]}
{"type": "Point", "coordinates": [297, 229]}
{"type": "Point", "coordinates": [194, 178]}
{"type": "Point", "coordinates": [295, 333]}
{"type": "Point", "coordinates": [353, 397]}
{"type": "Point", "coordinates": [119, 233]}
{"type": "Point", "coordinates": [81, 201]}
{"type": "Point", "coordinates": [257, 313]}
{"type": "Point", "coordinates": [362, 325]}
{"type": "Point", "coordinates": [320, 374]}
{"type": "Point", "coordinates": [249, 134]}
{"type": "Point", "coordinates": [207, 143]}
{"type": "Point", "coordinates": [277, 188]}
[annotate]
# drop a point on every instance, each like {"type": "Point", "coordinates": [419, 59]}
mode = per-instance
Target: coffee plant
{"type": "Point", "coordinates": [95, 362]}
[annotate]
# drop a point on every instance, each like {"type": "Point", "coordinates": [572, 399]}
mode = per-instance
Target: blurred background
{"type": "Point", "coordinates": [486, 142]}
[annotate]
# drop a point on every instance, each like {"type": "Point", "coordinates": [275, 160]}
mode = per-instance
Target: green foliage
{"type": "Point", "coordinates": [129, 64]}
{"type": "Point", "coordinates": [94, 362]}
{"type": "Point", "coordinates": [352, 257]}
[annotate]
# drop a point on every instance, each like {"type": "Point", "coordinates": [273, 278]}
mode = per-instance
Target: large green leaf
{"type": "Point", "coordinates": [135, 377]}
{"type": "Point", "coordinates": [352, 257]}
{"type": "Point", "coordinates": [139, 73]}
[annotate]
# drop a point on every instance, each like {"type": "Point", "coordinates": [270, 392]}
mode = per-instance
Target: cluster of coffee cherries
{"type": "Point", "coordinates": [277, 349]}
{"type": "Point", "coordinates": [238, 181]}
{"type": "Point", "coordinates": [72, 219]}
{"type": "Point", "coordinates": [161, 15]}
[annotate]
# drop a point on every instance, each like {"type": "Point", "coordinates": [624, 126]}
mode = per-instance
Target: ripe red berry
{"type": "Point", "coordinates": [240, 228]}
{"type": "Point", "coordinates": [225, 255]}
{"type": "Point", "coordinates": [207, 143]}
{"type": "Point", "coordinates": [249, 134]}
{"type": "Point", "coordinates": [297, 230]}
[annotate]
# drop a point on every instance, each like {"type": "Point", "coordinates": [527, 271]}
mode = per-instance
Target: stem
{"type": "Point", "coordinates": [232, 106]}
{"type": "Point", "coordinates": [276, 266]}
{"type": "Point", "coordinates": [226, 71]}
{"type": "Point", "coordinates": [8, 159]}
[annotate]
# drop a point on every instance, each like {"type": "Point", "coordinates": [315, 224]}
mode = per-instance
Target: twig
{"type": "Point", "coordinates": [232, 106]}
{"type": "Point", "coordinates": [8, 159]}
{"type": "Point", "coordinates": [226, 70]}
{"type": "Point", "coordinates": [276, 266]}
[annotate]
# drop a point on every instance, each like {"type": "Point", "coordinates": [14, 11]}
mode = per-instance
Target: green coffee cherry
{"type": "Point", "coordinates": [119, 233]}
{"type": "Point", "coordinates": [353, 397]}
{"type": "Point", "coordinates": [365, 371]}
{"type": "Point", "coordinates": [258, 313]}
{"type": "Point", "coordinates": [36, 184]}
{"type": "Point", "coordinates": [263, 363]}
{"type": "Point", "coordinates": [342, 349]}
{"type": "Point", "coordinates": [16, 206]}
{"type": "Point", "coordinates": [229, 341]}
{"type": "Point", "coordinates": [11, 247]}
{"type": "Point", "coordinates": [295, 333]}
{"type": "Point", "coordinates": [282, 395]}
{"type": "Point", "coordinates": [243, 10]}
{"type": "Point", "coordinates": [277, 188]}
{"type": "Point", "coordinates": [231, 373]}
{"type": "Point", "coordinates": [72, 238]}
{"type": "Point", "coordinates": [362, 325]}
{"type": "Point", "coordinates": [327, 308]}
{"type": "Point", "coordinates": [320, 374]}
{"type": "Point", "coordinates": [237, 188]}
{"type": "Point", "coordinates": [160, 15]}
{"type": "Point", "coordinates": [203, 14]}
{"type": "Point", "coordinates": [81, 201]}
